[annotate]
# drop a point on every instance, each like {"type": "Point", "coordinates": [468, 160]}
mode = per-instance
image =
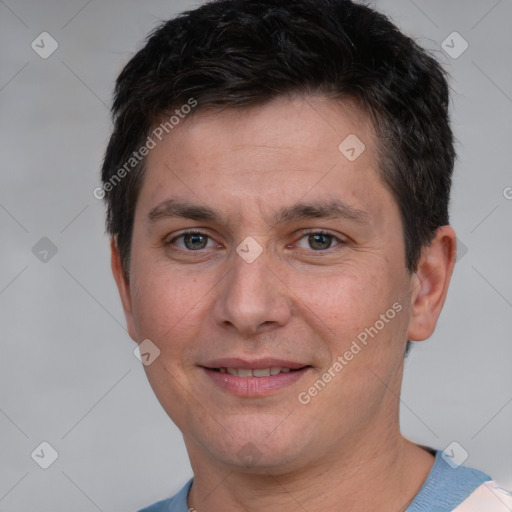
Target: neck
{"type": "Point", "coordinates": [384, 475]}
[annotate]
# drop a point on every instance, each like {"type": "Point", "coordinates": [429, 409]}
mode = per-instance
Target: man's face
{"type": "Point", "coordinates": [320, 282]}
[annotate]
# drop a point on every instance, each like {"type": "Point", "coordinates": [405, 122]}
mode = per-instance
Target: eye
{"type": "Point", "coordinates": [192, 241]}
{"type": "Point", "coordinates": [319, 240]}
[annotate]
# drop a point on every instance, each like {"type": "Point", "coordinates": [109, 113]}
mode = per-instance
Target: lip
{"type": "Point", "coordinates": [257, 364]}
{"type": "Point", "coordinates": [254, 386]}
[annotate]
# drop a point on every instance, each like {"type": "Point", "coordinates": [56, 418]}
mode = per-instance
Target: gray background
{"type": "Point", "coordinates": [68, 375]}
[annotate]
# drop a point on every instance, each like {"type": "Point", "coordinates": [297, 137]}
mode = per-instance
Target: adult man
{"type": "Point", "coordinates": [277, 186]}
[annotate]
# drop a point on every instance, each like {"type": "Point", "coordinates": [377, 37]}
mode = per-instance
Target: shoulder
{"type": "Point", "coordinates": [177, 503]}
{"type": "Point", "coordinates": [160, 506]}
{"type": "Point", "coordinates": [487, 497]}
{"type": "Point", "coordinates": [452, 487]}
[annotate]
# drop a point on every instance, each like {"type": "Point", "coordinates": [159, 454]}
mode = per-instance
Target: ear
{"type": "Point", "coordinates": [123, 286]}
{"type": "Point", "coordinates": [430, 283]}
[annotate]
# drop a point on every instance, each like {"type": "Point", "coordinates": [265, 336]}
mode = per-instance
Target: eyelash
{"type": "Point", "coordinates": [304, 234]}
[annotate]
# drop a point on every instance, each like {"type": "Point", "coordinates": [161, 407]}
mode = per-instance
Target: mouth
{"type": "Point", "coordinates": [254, 379]}
{"type": "Point", "coordinates": [255, 372]}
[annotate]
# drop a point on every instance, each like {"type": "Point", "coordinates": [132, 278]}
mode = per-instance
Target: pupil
{"type": "Point", "coordinates": [195, 241]}
{"type": "Point", "coordinates": [320, 241]}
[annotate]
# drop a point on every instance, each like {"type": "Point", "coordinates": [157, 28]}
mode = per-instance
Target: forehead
{"type": "Point", "coordinates": [289, 125]}
{"type": "Point", "coordinates": [286, 150]}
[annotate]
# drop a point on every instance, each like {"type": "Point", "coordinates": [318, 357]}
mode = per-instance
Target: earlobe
{"type": "Point", "coordinates": [123, 286]}
{"type": "Point", "coordinates": [430, 283]}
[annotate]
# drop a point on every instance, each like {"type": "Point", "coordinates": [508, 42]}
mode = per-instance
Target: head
{"type": "Point", "coordinates": [314, 136]}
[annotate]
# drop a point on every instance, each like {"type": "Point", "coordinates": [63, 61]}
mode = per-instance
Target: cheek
{"type": "Point", "coordinates": [347, 300]}
{"type": "Point", "coordinates": [164, 302]}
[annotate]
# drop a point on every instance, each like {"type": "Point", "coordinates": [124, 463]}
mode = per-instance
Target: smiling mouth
{"type": "Point", "coordinates": [254, 382]}
{"type": "Point", "coordinates": [260, 372]}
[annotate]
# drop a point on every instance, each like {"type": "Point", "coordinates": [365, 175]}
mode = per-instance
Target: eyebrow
{"type": "Point", "coordinates": [331, 209]}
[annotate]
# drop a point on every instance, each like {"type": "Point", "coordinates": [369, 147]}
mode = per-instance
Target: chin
{"type": "Point", "coordinates": [249, 459]}
{"type": "Point", "coordinates": [260, 453]}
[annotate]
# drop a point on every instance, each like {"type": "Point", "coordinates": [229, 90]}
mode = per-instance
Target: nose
{"type": "Point", "coordinates": [251, 298]}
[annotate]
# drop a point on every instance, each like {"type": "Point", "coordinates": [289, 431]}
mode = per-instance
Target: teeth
{"type": "Point", "coordinates": [262, 372]}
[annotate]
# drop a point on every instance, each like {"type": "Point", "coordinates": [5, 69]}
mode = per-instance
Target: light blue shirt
{"type": "Point", "coordinates": [444, 489]}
